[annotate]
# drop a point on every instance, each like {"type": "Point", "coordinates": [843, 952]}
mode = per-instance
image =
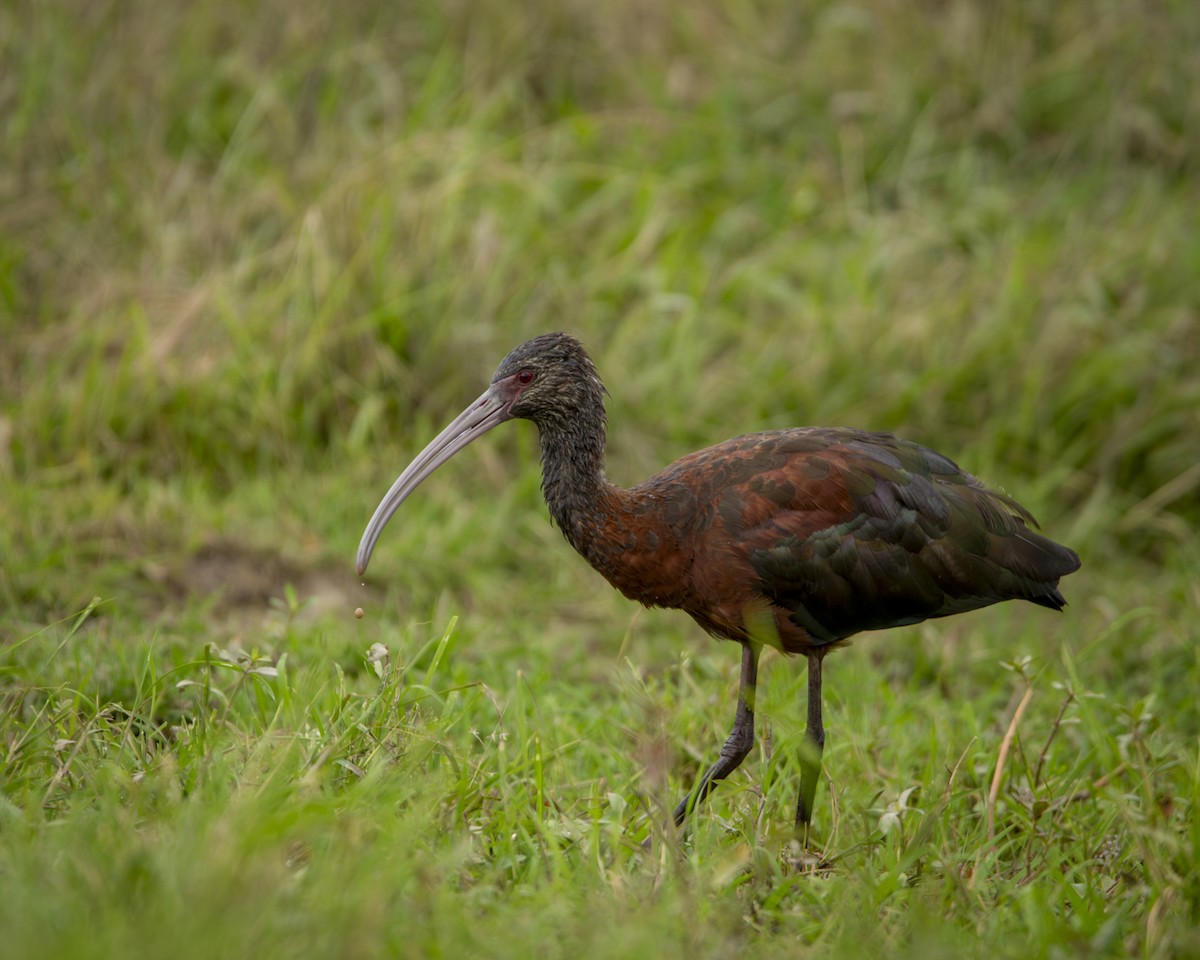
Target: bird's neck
{"type": "Point", "coordinates": [577, 493]}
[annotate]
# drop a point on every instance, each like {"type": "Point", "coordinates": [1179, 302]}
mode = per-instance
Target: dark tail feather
{"type": "Point", "coordinates": [1048, 561]}
{"type": "Point", "coordinates": [1051, 598]}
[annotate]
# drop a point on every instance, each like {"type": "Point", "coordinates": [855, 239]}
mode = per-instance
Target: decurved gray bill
{"type": "Point", "coordinates": [489, 410]}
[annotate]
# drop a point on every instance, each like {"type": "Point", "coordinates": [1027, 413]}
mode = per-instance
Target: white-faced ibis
{"type": "Point", "coordinates": [800, 538]}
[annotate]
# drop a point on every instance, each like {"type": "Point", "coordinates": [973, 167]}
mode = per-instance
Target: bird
{"type": "Point", "coordinates": [797, 538]}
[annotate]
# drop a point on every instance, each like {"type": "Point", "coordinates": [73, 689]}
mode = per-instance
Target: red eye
{"type": "Point", "coordinates": [525, 377]}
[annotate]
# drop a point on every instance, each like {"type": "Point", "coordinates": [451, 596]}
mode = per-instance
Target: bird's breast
{"type": "Point", "coordinates": [639, 556]}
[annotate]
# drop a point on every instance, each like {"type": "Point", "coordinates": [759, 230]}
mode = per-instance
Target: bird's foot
{"type": "Point", "coordinates": [802, 857]}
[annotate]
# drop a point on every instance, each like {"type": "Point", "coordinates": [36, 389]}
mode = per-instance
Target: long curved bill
{"type": "Point", "coordinates": [489, 410]}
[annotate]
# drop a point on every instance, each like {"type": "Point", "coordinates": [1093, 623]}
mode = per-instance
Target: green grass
{"type": "Point", "coordinates": [253, 256]}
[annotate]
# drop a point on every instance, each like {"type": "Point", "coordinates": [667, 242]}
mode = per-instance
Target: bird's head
{"type": "Point", "coordinates": [550, 380]}
{"type": "Point", "coordinates": [547, 379]}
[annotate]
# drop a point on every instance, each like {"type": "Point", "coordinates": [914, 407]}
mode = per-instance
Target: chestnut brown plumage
{"type": "Point", "coordinates": [800, 538]}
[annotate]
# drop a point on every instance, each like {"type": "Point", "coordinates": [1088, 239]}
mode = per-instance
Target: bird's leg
{"type": "Point", "coordinates": [810, 756]}
{"type": "Point", "coordinates": [741, 738]}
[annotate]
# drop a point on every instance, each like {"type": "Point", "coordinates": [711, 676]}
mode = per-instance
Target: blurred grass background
{"type": "Point", "coordinates": [253, 255]}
